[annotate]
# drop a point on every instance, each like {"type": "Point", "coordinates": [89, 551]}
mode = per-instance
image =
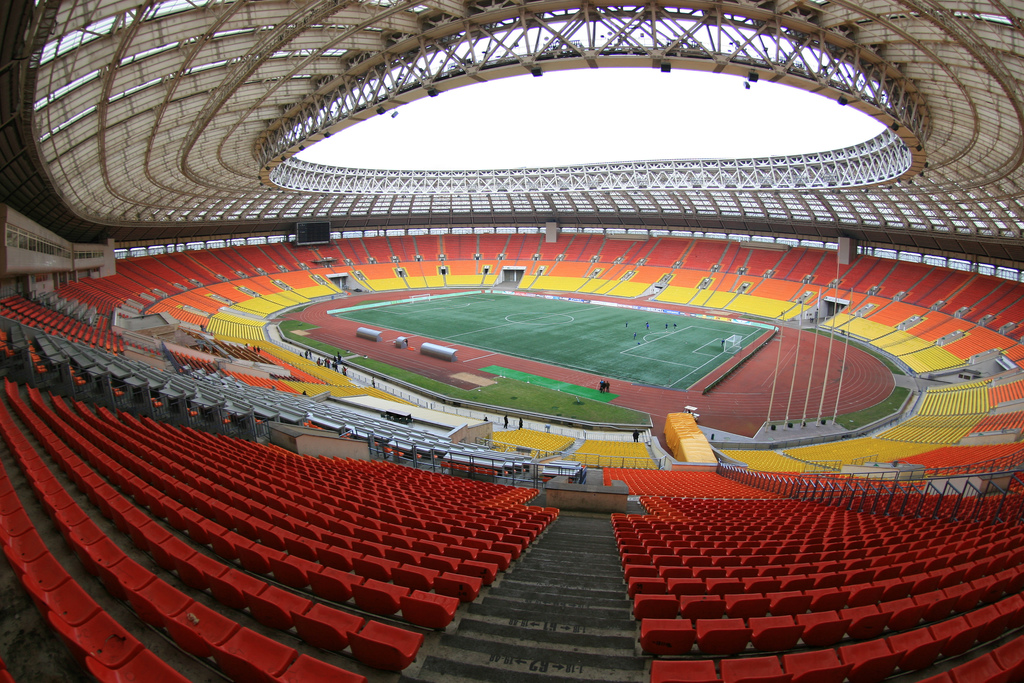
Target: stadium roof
{"type": "Point", "coordinates": [178, 119]}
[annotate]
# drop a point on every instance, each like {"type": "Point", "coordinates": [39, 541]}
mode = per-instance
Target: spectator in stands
{"type": "Point", "coordinates": [506, 417]}
{"type": "Point", "coordinates": [520, 423]}
{"type": "Point", "coordinates": [636, 436]}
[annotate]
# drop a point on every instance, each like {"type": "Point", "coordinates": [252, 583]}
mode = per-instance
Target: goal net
{"type": "Point", "coordinates": [732, 344]}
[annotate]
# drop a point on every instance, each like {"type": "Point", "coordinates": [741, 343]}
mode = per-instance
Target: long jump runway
{"type": "Point", "coordinates": [738, 405]}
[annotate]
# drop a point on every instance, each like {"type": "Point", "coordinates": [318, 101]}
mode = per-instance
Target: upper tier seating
{"type": "Point", "coordinates": [371, 264]}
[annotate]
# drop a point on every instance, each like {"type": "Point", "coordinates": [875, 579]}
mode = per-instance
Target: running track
{"type": "Point", "coordinates": [738, 405]}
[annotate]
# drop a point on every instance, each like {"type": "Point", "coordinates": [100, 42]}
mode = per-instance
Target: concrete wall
{"type": "Point", "coordinates": [559, 493]}
{"type": "Point", "coordinates": [317, 442]}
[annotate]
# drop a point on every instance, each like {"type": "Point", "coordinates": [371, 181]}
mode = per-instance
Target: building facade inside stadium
{"type": "Point", "coordinates": [743, 419]}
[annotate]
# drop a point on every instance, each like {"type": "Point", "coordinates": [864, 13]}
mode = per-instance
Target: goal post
{"type": "Point", "coordinates": [732, 344]}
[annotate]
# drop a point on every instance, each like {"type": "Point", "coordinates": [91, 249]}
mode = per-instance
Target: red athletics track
{"type": "Point", "coordinates": [738, 405]}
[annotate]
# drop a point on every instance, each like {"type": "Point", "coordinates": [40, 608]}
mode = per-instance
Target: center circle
{"type": "Point", "coordinates": [540, 318]}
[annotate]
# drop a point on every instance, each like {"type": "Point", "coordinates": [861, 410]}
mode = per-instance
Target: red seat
{"type": "Point", "coordinates": [984, 669]}
{"type": "Point", "coordinates": [248, 656]}
{"type": "Point", "coordinates": [67, 602]}
{"type": "Point", "coordinates": [990, 620]}
{"type": "Point", "coordinates": [169, 551]}
{"type": "Point", "coordinates": [654, 607]}
{"type": "Point", "coordinates": [198, 629]}
{"type": "Point", "coordinates": [906, 614]}
{"type": "Point", "coordinates": [754, 670]}
{"type": "Point", "coordinates": [231, 587]}
{"type": "Point", "coordinates": [293, 571]}
{"type": "Point", "coordinates": [157, 602]}
{"type": "Point", "coordinates": [686, 586]}
{"type": "Point", "coordinates": [919, 648]}
{"type": "Point", "coordinates": [256, 558]}
{"type": "Point", "coordinates": [325, 627]}
{"type": "Point", "coordinates": [144, 666]}
{"type": "Point", "coordinates": [865, 622]}
{"type": "Point", "coordinates": [937, 605]}
{"type": "Point", "coordinates": [746, 606]}
{"type": "Point", "coordinates": [440, 563]}
{"type": "Point", "coordinates": [722, 636]}
{"type": "Point", "coordinates": [273, 607]}
{"type": "Point", "coordinates": [465, 588]}
{"type": "Point", "coordinates": [194, 570]}
{"type": "Point", "coordinates": [1011, 658]}
{"type": "Point", "coordinates": [770, 634]}
{"type": "Point", "coordinates": [485, 571]}
{"type": "Point", "coordinates": [667, 636]}
{"type": "Point", "coordinates": [429, 610]}
{"type": "Point", "coordinates": [822, 629]}
{"type": "Point", "coordinates": [1013, 607]}
{"type": "Point", "coordinates": [385, 647]}
{"type": "Point", "coordinates": [416, 578]}
{"type": "Point", "coordinates": [818, 666]}
{"type": "Point", "coordinates": [967, 596]}
{"type": "Point", "coordinates": [959, 635]}
{"type": "Point", "coordinates": [724, 587]}
{"type": "Point", "coordinates": [99, 637]}
{"type": "Point", "coordinates": [123, 576]}
{"type": "Point", "coordinates": [377, 568]}
{"type": "Point", "coordinates": [683, 671]}
{"type": "Point", "coordinates": [789, 602]}
{"type": "Point", "coordinates": [332, 584]}
{"type": "Point", "coordinates": [43, 573]}
{"type": "Point", "coordinates": [701, 607]}
{"type": "Point", "coordinates": [308, 669]}
{"type": "Point", "coordinates": [378, 597]}
{"type": "Point", "coordinates": [827, 599]}
{"type": "Point", "coordinates": [871, 661]}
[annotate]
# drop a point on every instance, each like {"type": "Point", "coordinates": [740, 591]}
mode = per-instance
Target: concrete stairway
{"type": "Point", "coordinates": [560, 614]}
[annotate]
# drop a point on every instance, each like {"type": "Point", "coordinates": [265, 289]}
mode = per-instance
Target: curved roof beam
{"type": "Point", "coordinates": [758, 44]}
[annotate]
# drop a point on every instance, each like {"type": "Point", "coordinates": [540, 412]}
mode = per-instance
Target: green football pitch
{"type": "Point", "coordinates": [645, 347]}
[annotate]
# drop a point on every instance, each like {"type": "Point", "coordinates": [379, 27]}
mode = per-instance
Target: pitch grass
{"type": "Point", "coordinates": [513, 394]}
{"type": "Point", "coordinates": [875, 412]}
{"type": "Point", "coordinates": [658, 349]}
{"type": "Point", "coordinates": [506, 393]}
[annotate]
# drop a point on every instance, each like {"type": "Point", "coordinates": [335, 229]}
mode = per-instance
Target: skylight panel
{"type": "Point", "coordinates": [64, 90]}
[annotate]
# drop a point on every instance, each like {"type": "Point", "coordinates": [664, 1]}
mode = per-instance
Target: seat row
{"type": "Point", "coordinates": [895, 619]}
{"type": "Point", "coordinates": [210, 634]}
{"type": "Point", "coordinates": [866, 662]}
{"type": "Point", "coordinates": [296, 571]}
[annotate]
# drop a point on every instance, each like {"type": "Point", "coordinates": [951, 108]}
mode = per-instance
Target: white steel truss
{"type": "Point", "coordinates": [781, 48]}
{"type": "Point", "coordinates": [875, 161]}
{"type": "Point", "coordinates": [159, 118]}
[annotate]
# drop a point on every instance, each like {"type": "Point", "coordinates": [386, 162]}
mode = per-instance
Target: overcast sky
{"type": "Point", "coordinates": [596, 115]}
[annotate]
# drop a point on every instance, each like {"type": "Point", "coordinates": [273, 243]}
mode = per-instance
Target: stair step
{"type": "Point", "coordinates": [585, 588]}
{"type": "Point", "coordinates": [560, 614]}
{"type": "Point", "coordinates": [516, 670]}
{"type": "Point", "coordinates": [559, 598]}
{"type": "Point", "coordinates": [560, 656]}
{"type": "Point", "coordinates": [551, 633]}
